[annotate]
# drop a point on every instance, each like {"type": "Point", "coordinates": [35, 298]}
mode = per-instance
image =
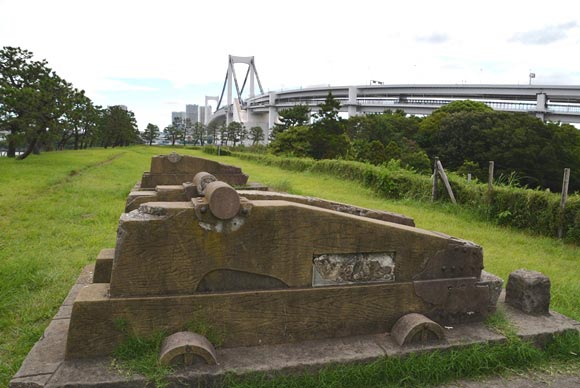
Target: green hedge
{"type": "Point", "coordinates": [534, 210]}
{"type": "Point", "coordinates": [213, 150]}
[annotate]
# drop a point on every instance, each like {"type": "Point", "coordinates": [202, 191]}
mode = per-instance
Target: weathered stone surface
{"type": "Point", "coordinates": [35, 381]}
{"type": "Point", "coordinates": [330, 205]}
{"type": "Point", "coordinates": [246, 318]}
{"type": "Point", "coordinates": [170, 260]}
{"type": "Point", "coordinates": [223, 200]}
{"type": "Point", "coordinates": [186, 348]}
{"type": "Point", "coordinates": [529, 291]}
{"type": "Point", "coordinates": [138, 197]}
{"type": "Point", "coordinates": [176, 169]}
{"type": "Point", "coordinates": [104, 266]}
{"type": "Point", "coordinates": [453, 301]}
{"type": "Point", "coordinates": [170, 193]}
{"type": "Point", "coordinates": [48, 353]}
{"type": "Point", "coordinates": [201, 180]}
{"type": "Point", "coordinates": [461, 258]}
{"type": "Point", "coordinates": [167, 247]}
{"type": "Point", "coordinates": [416, 328]}
{"type": "Point", "coordinates": [494, 283]}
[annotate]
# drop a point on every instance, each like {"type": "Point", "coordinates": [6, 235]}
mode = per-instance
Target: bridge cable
{"type": "Point", "coordinates": [257, 77]}
{"type": "Point", "coordinates": [223, 90]}
{"type": "Point", "coordinates": [246, 78]}
{"type": "Point", "coordinates": [236, 82]}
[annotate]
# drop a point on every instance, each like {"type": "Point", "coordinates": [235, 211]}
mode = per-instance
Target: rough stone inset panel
{"type": "Point", "coordinates": [349, 268]}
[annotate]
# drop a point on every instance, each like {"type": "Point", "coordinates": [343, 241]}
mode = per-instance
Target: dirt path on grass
{"type": "Point", "coordinates": [534, 380]}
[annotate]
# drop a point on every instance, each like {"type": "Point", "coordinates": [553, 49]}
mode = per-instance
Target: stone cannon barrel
{"type": "Point", "coordinates": [201, 180]}
{"type": "Point", "coordinates": [223, 200]}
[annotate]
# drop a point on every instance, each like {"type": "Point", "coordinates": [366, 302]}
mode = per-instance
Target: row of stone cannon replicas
{"type": "Point", "coordinates": [269, 268]}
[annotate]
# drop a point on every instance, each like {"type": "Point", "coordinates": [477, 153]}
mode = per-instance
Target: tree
{"type": "Point", "coordinates": [256, 135]}
{"type": "Point", "coordinates": [34, 101]}
{"type": "Point", "coordinates": [296, 116]}
{"type": "Point", "coordinates": [19, 79]}
{"type": "Point", "coordinates": [536, 151]}
{"type": "Point", "coordinates": [376, 153]}
{"type": "Point", "coordinates": [198, 134]}
{"type": "Point", "coordinates": [464, 106]}
{"type": "Point", "coordinates": [186, 129]}
{"type": "Point", "coordinates": [295, 141]}
{"type": "Point", "coordinates": [328, 110]}
{"type": "Point", "coordinates": [224, 136]}
{"type": "Point", "coordinates": [392, 151]}
{"type": "Point", "coordinates": [236, 132]}
{"type": "Point", "coordinates": [85, 120]}
{"type": "Point", "coordinates": [386, 127]}
{"type": "Point", "coordinates": [151, 133]}
{"type": "Point", "coordinates": [81, 121]}
{"type": "Point", "coordinates": [327, 136]}
{"type": "Point", "coordinates": [212, 131]}
{"type": "Point", "coordinates": [118, 127]}
{"type": "Point", "coordinates": [173, 132]}
{"type": "Point", "coordinates": [40, 109]}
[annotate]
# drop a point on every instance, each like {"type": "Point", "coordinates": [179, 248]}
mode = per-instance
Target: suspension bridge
{"type": "Point", "coordinates": [547, 102]}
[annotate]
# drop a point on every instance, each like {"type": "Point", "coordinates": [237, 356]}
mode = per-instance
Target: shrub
{"type": "Point", "coordinates": [213, 150]}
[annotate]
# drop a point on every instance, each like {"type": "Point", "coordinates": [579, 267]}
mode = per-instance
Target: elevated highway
{"type": "Point", "coordinates": [547, 102]}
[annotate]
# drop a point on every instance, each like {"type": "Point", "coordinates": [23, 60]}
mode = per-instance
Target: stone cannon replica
{"type": "Point", "coordinates": [272, 270]}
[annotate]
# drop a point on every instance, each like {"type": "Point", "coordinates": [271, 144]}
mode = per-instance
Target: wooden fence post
{"type": "Point", "coordinates": [489, 183]}
{"type": "Point", "coordinates": [490, 177]}
{"type": "Point", "coordinates": [565, 183]}
{"type": "Point", "coordinates": [434, 189]}
{"type": "Point", "coordinates": [445, 181]}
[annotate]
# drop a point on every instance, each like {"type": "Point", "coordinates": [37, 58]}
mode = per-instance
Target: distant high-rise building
{"type": "Point", "coordinates": [177, 116]}
{"type": "Point", "coordinates": [202, 114]}
{"type": "Point", "coordinates": [192, 113]}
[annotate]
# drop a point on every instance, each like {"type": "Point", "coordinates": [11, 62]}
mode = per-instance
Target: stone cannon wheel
{"type": "Point", "coordinates": [416, 329]}
{"type": "Point", "coordinates": [187, 348]}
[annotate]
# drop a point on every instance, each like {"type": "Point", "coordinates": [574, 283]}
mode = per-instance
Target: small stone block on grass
{"type": "Point", "coordinates": [529, 291]}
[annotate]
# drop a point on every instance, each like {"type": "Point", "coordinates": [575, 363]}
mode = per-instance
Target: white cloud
{"type": "Point", "coordinates": [545, 35]}
{"type": "Point", "coordinates": [434, 38]}
{"type": "Point", "coordinates": [100, 45]}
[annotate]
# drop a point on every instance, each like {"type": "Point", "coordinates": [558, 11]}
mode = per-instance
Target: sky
{"type": "Point", "coordinates": [157, 56]}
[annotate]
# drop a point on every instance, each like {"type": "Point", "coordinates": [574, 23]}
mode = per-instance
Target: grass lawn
{"type": "Point", "coordinates": [57, 210]}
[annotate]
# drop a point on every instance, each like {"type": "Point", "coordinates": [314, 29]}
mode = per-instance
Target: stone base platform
{"type": "Point", "coordinates": [45, 366]}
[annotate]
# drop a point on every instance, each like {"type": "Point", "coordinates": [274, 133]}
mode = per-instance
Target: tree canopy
{"type": "Point", "coordinates": [537, 151]}
{"type": "Point", "coordinates": [465, 135]}
{"type": "Point", "coordinates": [39, 109]}
{"type": "Point", "coordinates": [151, 133]}
{"type": "Point", "coordinates": [296, 116]}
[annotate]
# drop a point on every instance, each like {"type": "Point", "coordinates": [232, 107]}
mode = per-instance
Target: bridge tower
{"type": "Point", "coordinates": [231, 80]}
{"type": "Point", "coordinates": [207, 107]}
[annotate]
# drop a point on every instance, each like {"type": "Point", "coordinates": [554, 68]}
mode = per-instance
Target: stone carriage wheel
{"type": "Point", "coordinates": [186, 348]}
{"type": "Point", "coordinates": [416, 329]}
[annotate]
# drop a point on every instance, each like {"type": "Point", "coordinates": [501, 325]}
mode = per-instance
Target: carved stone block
{"type": "Point", "coordinates": [529, 291]}
{"type": "Point", "coordinates": [176, 169]}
